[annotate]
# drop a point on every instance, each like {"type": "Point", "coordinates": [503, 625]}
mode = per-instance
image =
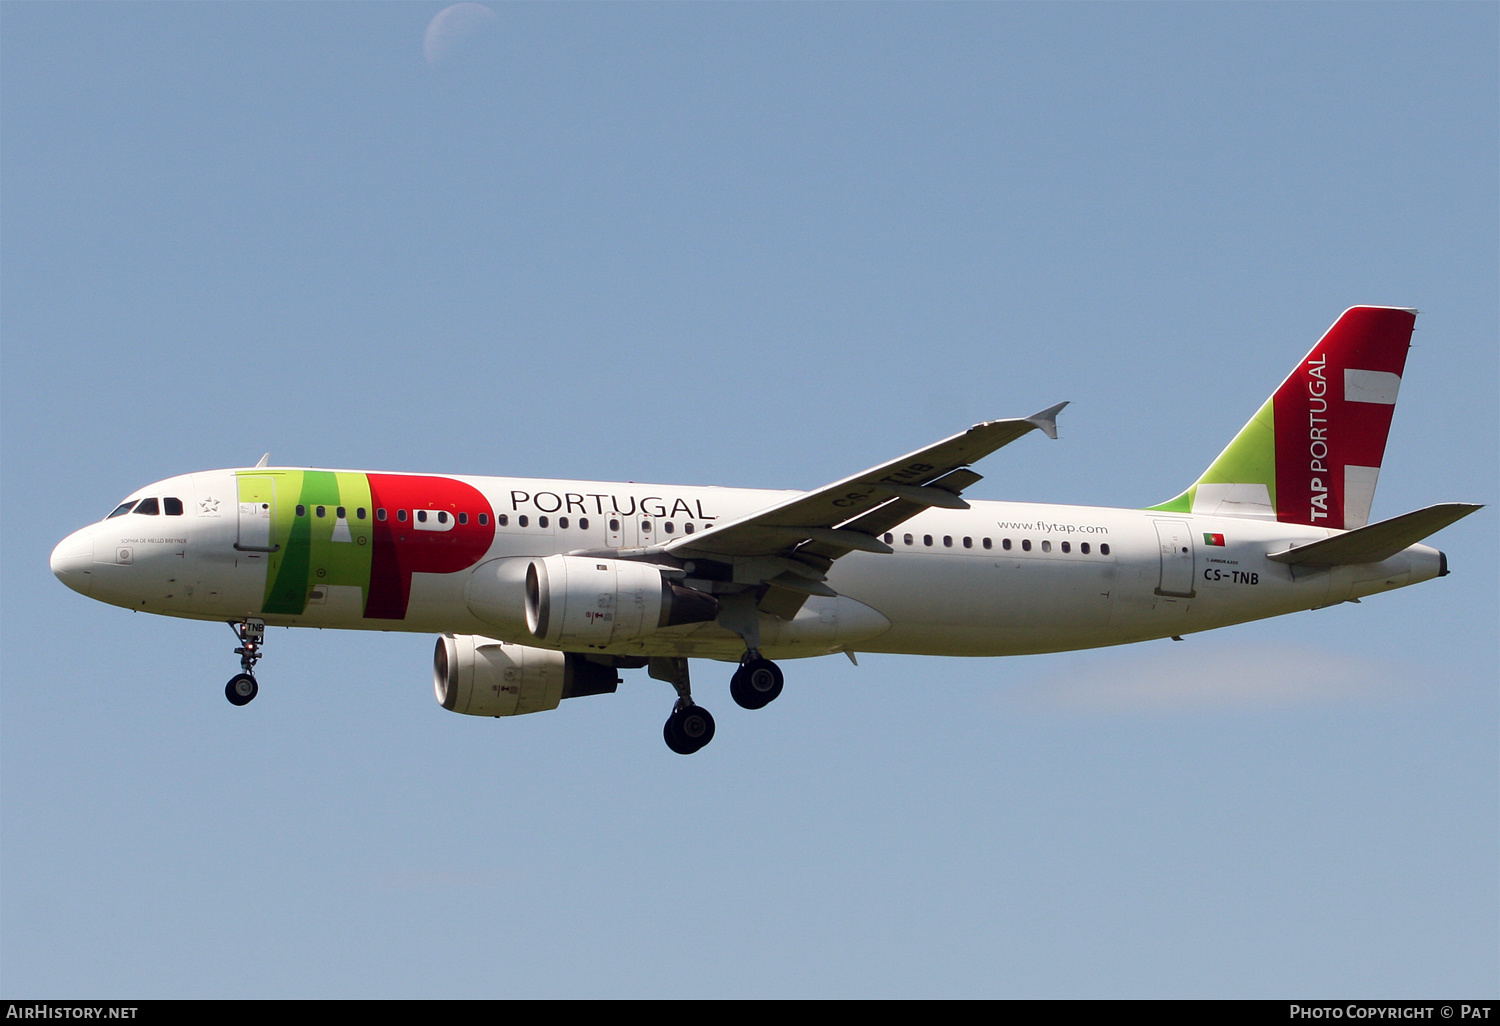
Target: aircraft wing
{"type": "Point", "coordinates": [817, 527]}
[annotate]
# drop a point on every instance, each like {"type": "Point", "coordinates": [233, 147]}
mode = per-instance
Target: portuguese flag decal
{"type": "Point", "coordinates": [1213, 539]}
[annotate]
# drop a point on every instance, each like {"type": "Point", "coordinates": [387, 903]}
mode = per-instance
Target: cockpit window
{"type": "Point", "coordinates": [172, 507]}
{"type": "Point", "coordinates": [148, 507]}
{"type": "Point", "coordinates": [121, 509]}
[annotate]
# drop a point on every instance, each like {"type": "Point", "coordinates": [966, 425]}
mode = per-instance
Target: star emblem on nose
{"type": "Point", "coordinates": [209, 505]}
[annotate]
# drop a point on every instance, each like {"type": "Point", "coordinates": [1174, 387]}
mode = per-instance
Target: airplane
{"type": "Point", "coordinates": [544, 589]}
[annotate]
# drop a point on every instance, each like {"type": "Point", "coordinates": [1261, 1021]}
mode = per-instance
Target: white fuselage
{"type": "Point", "coordinates": [999, 578]}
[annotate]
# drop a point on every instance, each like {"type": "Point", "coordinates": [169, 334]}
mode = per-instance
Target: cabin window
{"type": "Point", "coordinates": [1046, 546]}
{"type": "Point", "coordinates": [927, 539]}
{"type": "Point", "coordinates": [380, 513]}
{"type": "Point", "coordinates": [889, 537]}
{"type": "Point", "coordinates": [542, 521]}
{"type": "Point", "coordinates": [442, 516]}
{"type": "Point", "coordinates": [463, 518]}
{"type": "Point", "coordinates": [668, 527]}
{"type": "Point", "coordinates": [322, 511]}
{"type": "Point", "coordinates": [301, 510]}
{"type": "Point", "coordinates": [340, 513]}
{"type": "Point", "coordinates": [968, 543]}
{"type": "Point", "coordinates": [562, 522]}
{"type": "Point", "coordinates": [1066, 547]}
{"type": "Point", "coordinates": [484, 520]}
{"type": "Point", "coordinates": [687, 528]}
{"type": "Point", "coordinates": [1104, 549]}
{"type": "Point", "coordinates": [947, 541]}
{"type": "Point", "coordinates": [987, 543]}
{"type": "Point", "coordinates": [1005, 544]}
{"type": "Point", "coordinates": [645, 526]}
{"type": "Point", "coordinates": [1084, 548]}
{"type": "Point", "coordinates": [421, 515]}
{"type": "Point", "coordinates": [583, 523]}
{"type": "Point", "coordinates": [614, 525]}
{"type": "Point", "coordinates": [502, 519]}
{"type": "Point", "coordinates": [359, 513]}
{"type": "Point", "coordinates": [401, 515]}
{"type": "Point", "coordinates": [121, 509]}
{"type": "Point", "coordinates": [1025, 544]}
{"type": "Point", "coordinates": [906, 538]}
{"type": "Point", "coordinates": [523, 521]}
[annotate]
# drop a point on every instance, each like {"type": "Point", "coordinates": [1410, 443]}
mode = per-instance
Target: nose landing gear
{"type": "Point", "coordinates": [242, 688]}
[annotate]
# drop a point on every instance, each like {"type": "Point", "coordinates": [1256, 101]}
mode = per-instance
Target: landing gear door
{"type": "Point", "coordinates": [257, 513]}
{"type": "Point", "coordinates": [1176, 543]}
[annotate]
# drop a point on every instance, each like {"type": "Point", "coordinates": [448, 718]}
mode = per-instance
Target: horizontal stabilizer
{"type": "Point", "coordinates": [1378, 541]}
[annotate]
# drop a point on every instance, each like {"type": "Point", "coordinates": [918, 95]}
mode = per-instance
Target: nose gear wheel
{"type": "Point", "coordinates": [241, 689]}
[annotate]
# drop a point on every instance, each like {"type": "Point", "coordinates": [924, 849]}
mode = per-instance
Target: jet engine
{"type": "Point", "coordinates": [576, 600]}
{"type": "Point", "coordinates": [484, 677]}
{"type": "Point", "coordinates": [583, 601]}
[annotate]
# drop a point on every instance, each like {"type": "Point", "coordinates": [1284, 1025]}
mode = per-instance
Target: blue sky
{"type": "Point", "coordinates": [759, 245]}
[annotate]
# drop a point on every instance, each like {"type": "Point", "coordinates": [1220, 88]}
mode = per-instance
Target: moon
{"type": "Point", "coordinates": [455, 29]}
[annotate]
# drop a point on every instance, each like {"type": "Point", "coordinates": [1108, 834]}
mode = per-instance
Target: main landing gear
{"type": "Point", "coordinates": [754, 685]}
{"type": "Point", "coordinates": [242, 689]}
{"type": "Point", "coordinates": [688, 729]}
{"type": "Point", "coordinates": [690, 726]}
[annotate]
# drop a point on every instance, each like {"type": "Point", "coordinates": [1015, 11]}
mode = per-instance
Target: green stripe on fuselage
{"type": "Point", "coordinates": [318, 551]}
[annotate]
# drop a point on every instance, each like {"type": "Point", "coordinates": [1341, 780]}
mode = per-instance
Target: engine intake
{"type": "Point", "coordinates": [485, 677]}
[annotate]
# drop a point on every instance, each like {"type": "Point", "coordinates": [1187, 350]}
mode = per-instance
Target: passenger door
{"type": "Point", "coordinates": [257, 515]}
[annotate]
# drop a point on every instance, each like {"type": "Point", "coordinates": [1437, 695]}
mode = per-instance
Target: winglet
{"type": "Point", "coordinates": [264, 461]}
{"type": "Point", "coordinates": [1047, 419]}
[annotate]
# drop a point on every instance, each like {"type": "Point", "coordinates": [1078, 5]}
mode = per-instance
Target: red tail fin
{"type": "Point", "coordinates": [1312, 453]}
{"type": "Point", "coordinates": [1333, 415]}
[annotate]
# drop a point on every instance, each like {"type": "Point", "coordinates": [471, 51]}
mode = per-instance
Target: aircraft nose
{"type": "Point", "coordinates": [73, 560]}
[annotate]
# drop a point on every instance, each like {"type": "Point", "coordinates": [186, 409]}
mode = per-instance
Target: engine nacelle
{"type": "Point", "coordinates": [496, 593]}
{"type": "Point", "coordinates": [582, 602]}
{"type": "Point", "coordinates": [484, 677]}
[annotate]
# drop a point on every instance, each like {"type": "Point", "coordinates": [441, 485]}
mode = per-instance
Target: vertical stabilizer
{"type": "Point", "coordinates": [1311, 454]}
